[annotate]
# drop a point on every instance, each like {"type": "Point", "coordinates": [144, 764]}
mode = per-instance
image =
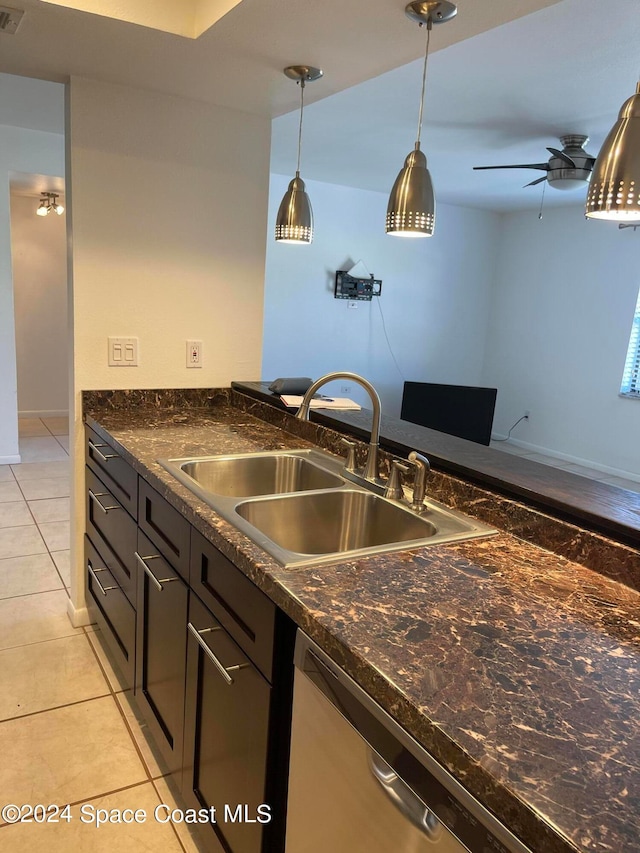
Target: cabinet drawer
{"type": "Point", "coordinates": [109, 525]}
{"type": "Point", "coordinates": [161, 649]}
{"type": "Point", "coordinates": [165, 527]}
{"type": "Point", "coordinates": [246, 613]}
{"type": "Point", "coordinates": [112, 611]}
{"type": "Point", "coordinates": [226, 733]}
{"type": "Point", "coordinates": [115, 473]}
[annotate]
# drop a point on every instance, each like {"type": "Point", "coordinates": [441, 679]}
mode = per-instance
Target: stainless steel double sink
{"type": "Point", "coordinates": [299, 506]}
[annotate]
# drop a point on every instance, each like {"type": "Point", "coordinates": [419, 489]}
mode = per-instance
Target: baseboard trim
{"type": "Point", "coordinates": [45, 413]}
{"type": "Point", "coordinates": [566, 457]}
{"type": "Point", "coordinates": [10, 460]}
{"type": "Point", "coordinates": [78, 616]}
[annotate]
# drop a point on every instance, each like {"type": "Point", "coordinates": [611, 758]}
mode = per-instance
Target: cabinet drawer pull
{"type": "Point", "coordinates": [158, 582]}
{"type": "Point", "coordinates": [105, 509]}
{"type": "Point", "coordinates": [223, 670]}
{"type": "Point", "coordinates": [105, 458]}
{"type": "Point", "coordinates": [93, 572]}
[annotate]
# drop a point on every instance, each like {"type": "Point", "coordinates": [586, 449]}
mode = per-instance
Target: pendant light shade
{"type": "Point", "coordinates": [614, 188]}
{"type": "Point", "coordinates": [411, 211]}
{"type": "Point", "coordinates": [294, 222]}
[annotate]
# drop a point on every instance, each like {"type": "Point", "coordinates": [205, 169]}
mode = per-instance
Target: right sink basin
{"type": "Point", "coordinates": [322, 527]}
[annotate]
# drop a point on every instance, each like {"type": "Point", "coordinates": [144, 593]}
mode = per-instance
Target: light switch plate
{"type": "Point", "coordinates": [123, 352]}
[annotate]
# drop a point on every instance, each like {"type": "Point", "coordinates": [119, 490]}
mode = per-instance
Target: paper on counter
{"type": "Point", "coordinates": [341, 403]}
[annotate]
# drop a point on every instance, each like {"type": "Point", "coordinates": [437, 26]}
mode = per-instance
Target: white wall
{"type": "Point", "coordinates": [435, 295]}
{"type": "Point", "coordinates": [168, 205]}
{"type": "Point", "coordinates": [563, 304]}
{"type": "Point", "coordinates": [39, 258]}
{"type": "Point", "coordinates": [35, 152]}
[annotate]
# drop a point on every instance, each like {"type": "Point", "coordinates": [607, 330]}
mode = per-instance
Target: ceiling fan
{"type": "Point", "coordinates": [566, 169]}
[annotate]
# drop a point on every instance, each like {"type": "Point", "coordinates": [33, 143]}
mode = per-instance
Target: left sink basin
{"type": "Point", "coordinates": [255, 474]}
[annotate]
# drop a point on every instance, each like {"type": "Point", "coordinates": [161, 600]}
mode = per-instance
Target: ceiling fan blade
{"type": "Point", "coordinates": [542, 166]}
{"type": "Point", "coordinates": [537, 181]}
{"type": "Point", "coordinates": [562, 156]}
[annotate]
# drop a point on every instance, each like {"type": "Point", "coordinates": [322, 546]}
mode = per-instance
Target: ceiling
{"type": "Point", "coordinates": [506, 77]}
{"type": "Point", "coordinates": [500, 97]}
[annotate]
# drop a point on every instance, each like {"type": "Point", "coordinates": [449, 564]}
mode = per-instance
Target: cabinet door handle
{"type": "Point", "coordinates": [105, 458]}
{"type": "Point", "coordinates": [157, 581]}
{"type": "Point", "coordinates": [105, 509]}
{"type": "Point", "coordinates": [223, 670]}
{"type": "Point", "coordinates": [103, 589]}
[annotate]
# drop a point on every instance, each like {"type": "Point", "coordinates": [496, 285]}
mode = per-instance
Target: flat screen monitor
{"type": "Point", "coordinates": [461, 410]}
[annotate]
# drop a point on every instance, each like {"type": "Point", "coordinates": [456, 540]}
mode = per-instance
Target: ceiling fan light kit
{"type": "Point", "coordinates": [614, 190]}
{"type": "Point", "coordinates": [294, 222]}
{"type": "Point", "coordinates": [411, 211]}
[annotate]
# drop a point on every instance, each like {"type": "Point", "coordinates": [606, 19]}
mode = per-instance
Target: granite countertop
{"type": "Point", "coordinates": [518, 669]}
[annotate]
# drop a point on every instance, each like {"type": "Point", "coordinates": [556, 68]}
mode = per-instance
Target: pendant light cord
{"type": "Point", "coordinates": [300, 127]}
{"type": "Point", "coordinates": [429, 26]}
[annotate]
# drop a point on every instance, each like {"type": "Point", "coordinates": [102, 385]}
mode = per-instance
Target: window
{"type": "Point", "coordinates": [631, 376]}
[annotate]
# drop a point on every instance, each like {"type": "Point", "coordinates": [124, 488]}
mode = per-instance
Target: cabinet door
{"type": "Point", "coordinates": [169, 531]}
{"type": "Point", "coordinates": [226, 735]}
{"type": "Point", "coordinates": [161, 646]}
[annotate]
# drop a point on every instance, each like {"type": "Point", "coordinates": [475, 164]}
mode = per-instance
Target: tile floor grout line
{"type": "Point", "coordinates": [173, 827]}
{"type": "Point", "coordinates": [53, 708]}
{"type": "Point", "coordinates": [28, 594]}
{"type": "Point", "coordinates": [93, 797]}
{"type": "Point", "coordinates": [48, 640]}
{"type": "Point", "coordinates": [102, 669]}
{"type": "Point", "coordinates": [133, 740]}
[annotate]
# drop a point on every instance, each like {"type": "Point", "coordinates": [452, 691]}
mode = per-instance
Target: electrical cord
{"type": "Point", "coordinates": [523, 418]}
{"type": "Point", "coordinates": [384, 329]}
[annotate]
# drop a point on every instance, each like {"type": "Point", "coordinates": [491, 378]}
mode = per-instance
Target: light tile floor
{"type": "Point", "coordinates": [68, 732]}
{"type": "Point", "coordinates": [582, 470]}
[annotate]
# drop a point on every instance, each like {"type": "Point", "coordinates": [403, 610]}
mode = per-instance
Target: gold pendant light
{"type": "Point", "coordinates": [614, 188]}
{"type": "Point", "coordinates": [294, 222]}
{"type": "Point", "coordinates": [411, 211]}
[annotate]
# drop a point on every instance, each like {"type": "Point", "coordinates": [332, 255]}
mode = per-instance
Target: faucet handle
{"type": "Point", "coordinates": [350, 461]}
{"type": "Point", "coordinates": [393, 489]}
{"type": "Point", "coordinates": [419, 484]}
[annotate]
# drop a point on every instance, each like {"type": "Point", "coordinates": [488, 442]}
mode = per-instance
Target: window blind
{"type": "Point", "coordinates": [631, 376]}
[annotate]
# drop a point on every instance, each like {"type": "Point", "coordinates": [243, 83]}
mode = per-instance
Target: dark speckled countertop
{"type": "Point", "coordinates": [518, 669]}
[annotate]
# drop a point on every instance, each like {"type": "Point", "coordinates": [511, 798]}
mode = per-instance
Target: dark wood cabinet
{"type": "Point", "coordinates": [161, 642]}
{"type": "Point", "coordinates": [112, 611]}
{"type": "Point", "coordinates": [226, 735]}
{"type": "Point", "coordinates": [209, 656]}
{"type": "Point", "coordinates": [113, 470]}
{"type": "Point", "coordinates": [238, 605]}
{"type": "Point", "coordinates": [169, 531]}
{"type": "Point", "coordinates": [113, 532]}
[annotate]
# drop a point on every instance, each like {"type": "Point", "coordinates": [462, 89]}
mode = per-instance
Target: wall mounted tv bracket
{"type": "Point", "coordinates": [348, 287]}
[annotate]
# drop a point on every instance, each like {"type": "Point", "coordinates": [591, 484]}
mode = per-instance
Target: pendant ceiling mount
{"type": "Point", "coordinates": [303, 72]}
{"type": "Point", "coordinates": [436, 11]}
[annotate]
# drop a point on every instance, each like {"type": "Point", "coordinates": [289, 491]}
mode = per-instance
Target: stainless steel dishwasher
{"type": "Point", "coordinates": [360, 784]}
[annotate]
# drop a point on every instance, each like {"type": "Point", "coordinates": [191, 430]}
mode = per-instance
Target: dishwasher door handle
{"type": "Point", "coordinates": [403, 798]}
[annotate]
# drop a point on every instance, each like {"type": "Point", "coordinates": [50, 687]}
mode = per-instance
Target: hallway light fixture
{"type": "Point", "coordinates": [49, 204]}
{"type": "Point", "coordinates": [411, 211]}
{"type": "Point", "coordinates": [294, 223]}
{"type": "Point", "coordinates": [614, 188]}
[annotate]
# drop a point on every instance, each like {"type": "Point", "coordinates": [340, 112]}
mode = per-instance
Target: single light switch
{"type": "Point", "coordinates": [123, 352]}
